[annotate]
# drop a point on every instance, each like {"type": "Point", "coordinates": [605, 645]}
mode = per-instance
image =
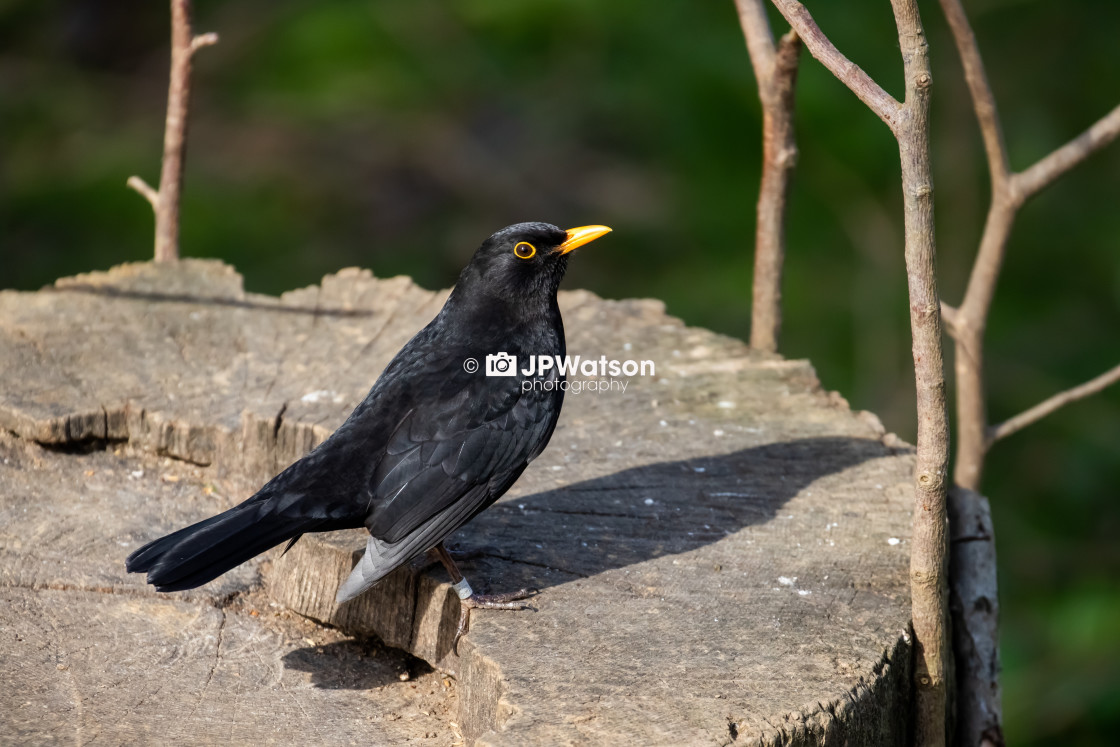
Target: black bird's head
{"type": "Point", "coordinates": [524, 261]}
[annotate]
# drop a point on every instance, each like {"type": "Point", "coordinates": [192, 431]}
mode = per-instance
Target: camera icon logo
{"type": "Point", "coordinates": [501, 364]}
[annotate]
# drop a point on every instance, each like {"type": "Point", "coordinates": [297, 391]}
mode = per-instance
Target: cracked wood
{"type": "Point", "coordinates": [711, 545]}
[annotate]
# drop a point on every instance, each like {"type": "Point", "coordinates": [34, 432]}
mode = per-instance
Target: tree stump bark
{"type": "Point", "coordinates": [722, 548]}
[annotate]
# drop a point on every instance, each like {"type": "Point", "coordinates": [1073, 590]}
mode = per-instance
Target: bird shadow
{"type": "Point", "coordinates": [586, 528]}
{"type": "Point", "coordinates": [356, 664]}
{"type": "Point", "coordinates": [646, 512]}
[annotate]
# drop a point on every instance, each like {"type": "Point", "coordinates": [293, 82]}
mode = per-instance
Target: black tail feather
{"type": "Point", "coordinates": [200, 553]}
{"type": "Point", "coordinates": [142, 560]}
{"type": "Point", "coordinates": [290, 544]}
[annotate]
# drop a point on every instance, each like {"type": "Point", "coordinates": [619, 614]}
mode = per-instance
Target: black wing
{"type": "Point", "coordinates": [444, 451]}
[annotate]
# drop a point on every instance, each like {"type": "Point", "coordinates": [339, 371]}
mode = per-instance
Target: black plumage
{"type": "Point", "coordinates": [431, 445]}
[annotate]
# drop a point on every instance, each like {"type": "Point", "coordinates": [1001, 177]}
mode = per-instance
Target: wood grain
{"type": "Point", "coordinates": [721, 549]}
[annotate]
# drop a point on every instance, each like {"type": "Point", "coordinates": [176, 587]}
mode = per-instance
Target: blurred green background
{"type": "Point", "coordinates": [396, 136]}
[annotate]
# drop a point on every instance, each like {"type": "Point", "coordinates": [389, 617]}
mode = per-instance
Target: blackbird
{"type": "Point", "coordinates": [435, 441]}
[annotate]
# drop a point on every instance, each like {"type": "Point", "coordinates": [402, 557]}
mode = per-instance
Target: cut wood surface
{"type": "Point", "coordinates": [721, 549]}
{"type": "Point", "coordinates": [89, 655]}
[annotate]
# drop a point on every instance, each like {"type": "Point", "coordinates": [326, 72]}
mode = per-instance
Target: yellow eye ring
{"type": "Point", "coordinates": [524, 250]}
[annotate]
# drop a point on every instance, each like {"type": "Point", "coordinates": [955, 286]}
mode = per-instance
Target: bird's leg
{"type": "Point", "coordinates": [430, 558]}
{"type": "Point", "coordinates": [469, 600]}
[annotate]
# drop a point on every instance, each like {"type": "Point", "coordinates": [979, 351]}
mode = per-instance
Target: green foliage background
{"type": "Point", "coordinates": [395, 136]}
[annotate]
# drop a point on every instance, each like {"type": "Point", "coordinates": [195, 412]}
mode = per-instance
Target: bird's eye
{"type": "Point", "coordinates": [524, 250]}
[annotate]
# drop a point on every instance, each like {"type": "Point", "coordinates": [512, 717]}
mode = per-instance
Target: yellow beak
{"type": "Point", "coordinates": [577, 237]}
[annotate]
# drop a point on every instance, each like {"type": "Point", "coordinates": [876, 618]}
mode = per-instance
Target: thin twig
{"type": "Point", "coordinates": [970, 319]}
{"type": "Point", "coordinates": [966, 324]}
{"type": "Point", "coordinates": [949, 315]}
{"type": "Point", "coordinates": [203, 40]}
{"type": "Point", "coordinates": [1042, 409]}
{"type": "Point", "coordinates": [983, 101]}
{"type": "Point", "coordinates": [779, 158]}
{"type": "Point", "coordinates": [980, 715]}
{"type": "Point", "coordinates": [847, 72]}
{"type": "Point", "coordinates": [1009, 191]}
{"type": "Point", "coordinates": [775, 69]}
{"type": "Point", "coordinates": [909, 122]}
{"type": "Point", "coordinates": [1029, 182]}
{"type": "Point", "coordinates": [142, 187]}
{"type": "Point", "coordinates": [929, 555]}
{"type": "Point", "coordinates": [785, 63]}
{"type": "Point", "coordinates": [760, 40]}
{"type": "Point", "coordinates": [165, 200]}
{"type": "Point", "coordinates": [968, 330]}
{"type": "Point", "coordinates": [975, 626]}
{"type": "Point", "coordinates": [978, 699]}
{"type": "Point", "coordinates": [175, 133]}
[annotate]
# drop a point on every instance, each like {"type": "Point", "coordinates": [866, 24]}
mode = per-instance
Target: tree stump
{"type": "Point", "coordinates": [721, 548]}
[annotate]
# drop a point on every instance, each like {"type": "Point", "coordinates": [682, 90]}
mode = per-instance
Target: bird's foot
{"type": "Point", "coordinates": [509, 601]}
{"type": "Point", "coordinates": [468, 600]}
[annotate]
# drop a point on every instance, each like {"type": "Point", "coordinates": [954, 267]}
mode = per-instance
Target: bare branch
{"type": "Point", "coordinates": [203, 40]}
{"type": "Point", "coordinates": [1029, 182]}
{"type": "Point", "coordinates": [148, 193]}
{"type": "Point", "coordinates": [789, 52]}
{"type": "Point", "coordinates": [909, 122]}
{"type": "Point", "coordinates": [850, 74]}
{"type": "Point", "coordinates": [779, 157]}
{"type": "Point", "coordinates": [760, 40]}
{"type": "Point", "coordinates": [1042, 409]}
{"type": "Point", "coordinates": [930, 541]}
{"type": "Point", "coordinates": [775, 70]}
{"type": "Point", "coordinates": [165, 201]}
{"type": "Point", "coordinates": [949, 316]}
{"type": "Point", "coordinates": [983, 101]}
{"type": "Point", "coordinates": [1009, 190]}
{"type": "Point", "coordinates": [968, 323]}
{"type": "Point", "coordinates": [978, 696]}
{"type": "Point", "coordinates": [968, 335]}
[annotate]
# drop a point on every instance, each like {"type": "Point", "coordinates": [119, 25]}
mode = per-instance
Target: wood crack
{"type": "Point", "coordinates": [213, 665]}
